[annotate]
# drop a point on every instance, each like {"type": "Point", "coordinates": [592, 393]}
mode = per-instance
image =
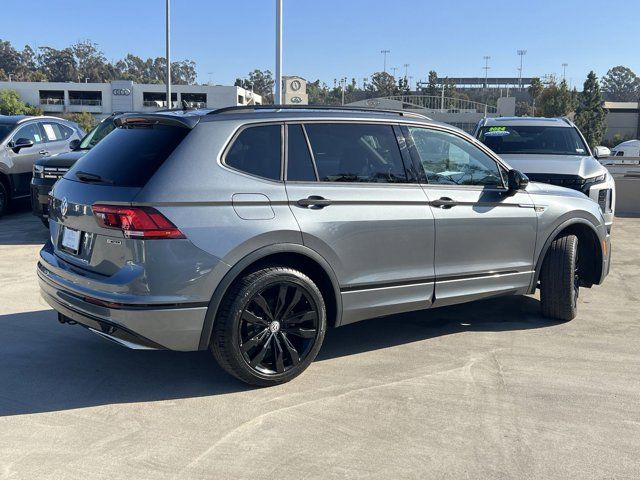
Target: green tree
{"type": "Point", "coordinates": [261, 82]}
{"type": "Point", "coordinates": [432, 84]}
{"type": "Point", "coordinates": [535, 89]}
{"type": "Point", "coordinates": [383, 84]}
{"type": "Point", "coordinates": [84, 119]}
{"type": "Point", "coordinates": [590, 115]}
{"type": "Point", "coordinates": [621, 84]}
{"type": "Point", "coordinates": [10, 104]}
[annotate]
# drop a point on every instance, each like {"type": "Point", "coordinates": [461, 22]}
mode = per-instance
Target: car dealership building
{"type": "Point", "coordinates": [102, 99]}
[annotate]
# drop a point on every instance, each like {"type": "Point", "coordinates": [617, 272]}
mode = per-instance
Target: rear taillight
{"type": "Point", "coordinates": [144, 223]}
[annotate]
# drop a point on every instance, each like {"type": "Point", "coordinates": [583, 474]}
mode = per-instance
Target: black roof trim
{"type": "Point", "coordinates": [250, 108]}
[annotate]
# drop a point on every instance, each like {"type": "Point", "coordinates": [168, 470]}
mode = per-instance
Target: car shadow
{"type": "Point", "coordinates": [46, 366]}
{"type": "Point", "coordinates": [19, 227]}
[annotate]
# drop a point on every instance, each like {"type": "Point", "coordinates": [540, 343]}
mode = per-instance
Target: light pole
{"type": "Point", "coordinates": [394, 70]}
{"type": "Point", "coordinates": [564, 71]}
{"type": "Point", "coordinates": [168, 73]}
{"type": "Point", "coordinates": [406, 69]}
{"type": "Point", "coordinates": [486, 69]}
{"type": "Point", "coordinates": [521, 53]}
{"type": "Point", "coordinates": [278, 96]}
{"type": "Point", "coordinates": [385, 53]}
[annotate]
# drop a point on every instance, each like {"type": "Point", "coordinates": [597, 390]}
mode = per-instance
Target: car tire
{"type": "Point", "coordinates": [559, 279]}
{"type": "Point", "coordinates": [269, 327]}
{"type": "Point", "coordinates": [4, 199]}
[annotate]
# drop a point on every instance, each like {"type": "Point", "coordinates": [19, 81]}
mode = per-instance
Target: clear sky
{"type": "Point", "coordinates": [333, 38]}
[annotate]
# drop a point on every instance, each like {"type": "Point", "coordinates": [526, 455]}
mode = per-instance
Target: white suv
{"type": "Point", "coordinates": [551, 150]}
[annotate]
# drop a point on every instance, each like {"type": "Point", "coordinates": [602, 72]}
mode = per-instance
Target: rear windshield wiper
{"type": "Point", "coordinates": [92, 178]}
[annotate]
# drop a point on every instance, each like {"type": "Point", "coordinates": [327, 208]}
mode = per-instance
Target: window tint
{"type": "Point", "coordinates": [356, 153]}
{"type": "Point", "coordinates": [30, 132]}
{"type": "Point", "coordinates": [449, 160]}
{"type": "Point", "coordinates": [129, 157]}
{"type": "Point", "coordinates": [539, 140]}
{"type": "Point", "coordinates": [300, 165]}
{"type": "Point", "coordinates": [257, 151]}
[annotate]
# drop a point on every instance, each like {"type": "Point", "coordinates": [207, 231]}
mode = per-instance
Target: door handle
{"type": "Point", "coordinates": [314, 201]}
{"type": "Point", "coordinates": [443, 202]}
{"type": "Point", "coordinates": [43, 152]}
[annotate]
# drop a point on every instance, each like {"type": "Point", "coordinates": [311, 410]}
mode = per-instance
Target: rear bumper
{"type": "Point", "coordinates": [173, 326]}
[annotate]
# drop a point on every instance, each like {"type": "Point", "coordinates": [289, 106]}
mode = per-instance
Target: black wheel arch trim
{"type": "Point", "coordinates": [249, 260]}
{"type": "Point", "coordinates": [559, 228]}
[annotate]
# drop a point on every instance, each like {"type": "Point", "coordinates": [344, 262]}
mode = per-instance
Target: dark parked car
{"type": "Point", "coordinates": [23, 140]}
{"type": "Point", "coordinates": [47, 170]}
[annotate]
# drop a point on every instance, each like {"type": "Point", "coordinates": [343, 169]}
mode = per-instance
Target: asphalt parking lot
{"type": "Point", "coordinates": [488, 390]}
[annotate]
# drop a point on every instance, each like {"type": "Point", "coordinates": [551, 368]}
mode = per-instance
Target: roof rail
{"type": "Point", "coordinates": [241, 108]}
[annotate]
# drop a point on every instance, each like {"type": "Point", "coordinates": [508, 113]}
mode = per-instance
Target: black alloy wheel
{"type": "Point", "coordinates": [270, 326]}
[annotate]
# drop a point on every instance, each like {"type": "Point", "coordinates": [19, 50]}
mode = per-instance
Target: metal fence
{"type": "Point", "coordinates": [442, 104]}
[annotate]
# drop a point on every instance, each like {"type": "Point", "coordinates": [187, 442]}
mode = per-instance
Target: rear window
{"type": "Point", "coordinates": [129, 156]}
{"type": "Point", "coordinates": [538, 139]}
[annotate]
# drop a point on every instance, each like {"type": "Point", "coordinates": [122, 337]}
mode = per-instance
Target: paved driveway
{"type": "Point", "coordinates": [487, 390]}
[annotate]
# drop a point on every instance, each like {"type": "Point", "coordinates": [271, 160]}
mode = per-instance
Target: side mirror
{"type": "Point", "coordinates": [21, 143]}
{"type": "Point", "coordinates": [73, 144]}
{"type": "Point", "coordinates": [517, 180]}
{"type": "Point", "coordinates": [601, 152]}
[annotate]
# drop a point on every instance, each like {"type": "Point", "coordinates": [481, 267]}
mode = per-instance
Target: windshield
{"type": "Point", "coordinates": [5, 129]}
{"type": "Point", "coordinates": [539, 139]}
{"type": "Point", "coordinates": [98, 133]}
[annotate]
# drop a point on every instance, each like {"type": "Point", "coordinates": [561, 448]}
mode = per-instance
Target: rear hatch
{"type": "Point", "coordinates": [93, 225]}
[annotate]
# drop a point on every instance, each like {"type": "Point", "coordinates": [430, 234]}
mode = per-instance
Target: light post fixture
{"type": "Point", "coordinates": [278, 96]}
{"type": "Point", "coordinates": [521, 53]}
{"type": "Point", "coordinates": [168, 47]}
{"type": "Point", "coordinates": [486, 69]}
{"type": "Point", "coordinates": [385, 53]}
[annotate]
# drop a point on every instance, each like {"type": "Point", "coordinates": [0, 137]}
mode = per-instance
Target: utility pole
{"type": "Point", "coordinates": [486, 69]}
{"type": "Point", "coordinates": [278, 96]}
{"type": "Point", "coordinates": [521, 53]}
{"type": "Point", "coordinates": [385, 53]}
{"type": "Point", "coordinates": [168, 73]}
{"type": "Point", "coordinates": [343, 81]}
{"type": "Point", "coordinates": [564, 71]}
{"type": "Point", "coordinates": [406, 69]}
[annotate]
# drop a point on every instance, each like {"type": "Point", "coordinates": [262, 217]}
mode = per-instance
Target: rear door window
{"type": "Point", "coordinates": [257, 151]}
{"type": "Point", "coordinates": [346, 152]}
{"type": "Point", "coordinates": [130, 155]}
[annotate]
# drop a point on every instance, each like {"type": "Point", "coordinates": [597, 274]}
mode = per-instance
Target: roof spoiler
{"type": "Point", "coordinates": [133, 119]}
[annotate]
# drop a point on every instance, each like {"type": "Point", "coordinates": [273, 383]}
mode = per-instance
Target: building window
{"type": "Point", "coordinates": [240, 99]}
{"type": "Point", "coordinates": [158, 99]}
{"type": "Point", "coordinates": [195, 100]}
{"type": "Point", "coordinates": [85, 98]}
{"type": "Point", "coordinates": [51, 97]}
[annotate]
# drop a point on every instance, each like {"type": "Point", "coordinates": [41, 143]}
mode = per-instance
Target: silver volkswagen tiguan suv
{"type": "Point", "coordinates": [250, 231]}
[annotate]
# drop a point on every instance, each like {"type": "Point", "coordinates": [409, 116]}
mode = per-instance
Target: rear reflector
{"type": "Point", "coordinates": [143, 223]}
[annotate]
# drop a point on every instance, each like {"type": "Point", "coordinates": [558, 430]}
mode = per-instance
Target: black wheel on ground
{"type": "Point", "coordinates": [560, 279]}
{"type": "Point", "coordinates": [45, 222]}
{"type": "Point", "coordinates": [4, 199]}
{"type": "Point", "coordinates": [270, 326]}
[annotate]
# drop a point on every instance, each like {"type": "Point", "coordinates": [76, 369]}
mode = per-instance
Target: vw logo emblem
{"type": "Point", "coordinates": [123, 92]}
{"type": "Point", "coordinates": [64, 207]}
{"type": "Point", "coordinates": [295, 85]}
{"type": "Point", "coordinates": [296, 100]}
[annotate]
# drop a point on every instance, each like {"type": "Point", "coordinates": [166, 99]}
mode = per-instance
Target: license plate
{"type": "Point", "coordinates": [71, 239]}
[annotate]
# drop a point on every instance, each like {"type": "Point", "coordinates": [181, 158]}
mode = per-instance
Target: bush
{"type": "Point", "coordinates": [10, 104]}
{"type": "Point", "coordinates": [84, 119]}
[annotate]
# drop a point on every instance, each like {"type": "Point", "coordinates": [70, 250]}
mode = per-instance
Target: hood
{"type": "Point", "coordinates": [66, 159]}
{"type": "Point", "coordinates": [583, 166]}
{"type": "Point", "coordinates": [548, 189]}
